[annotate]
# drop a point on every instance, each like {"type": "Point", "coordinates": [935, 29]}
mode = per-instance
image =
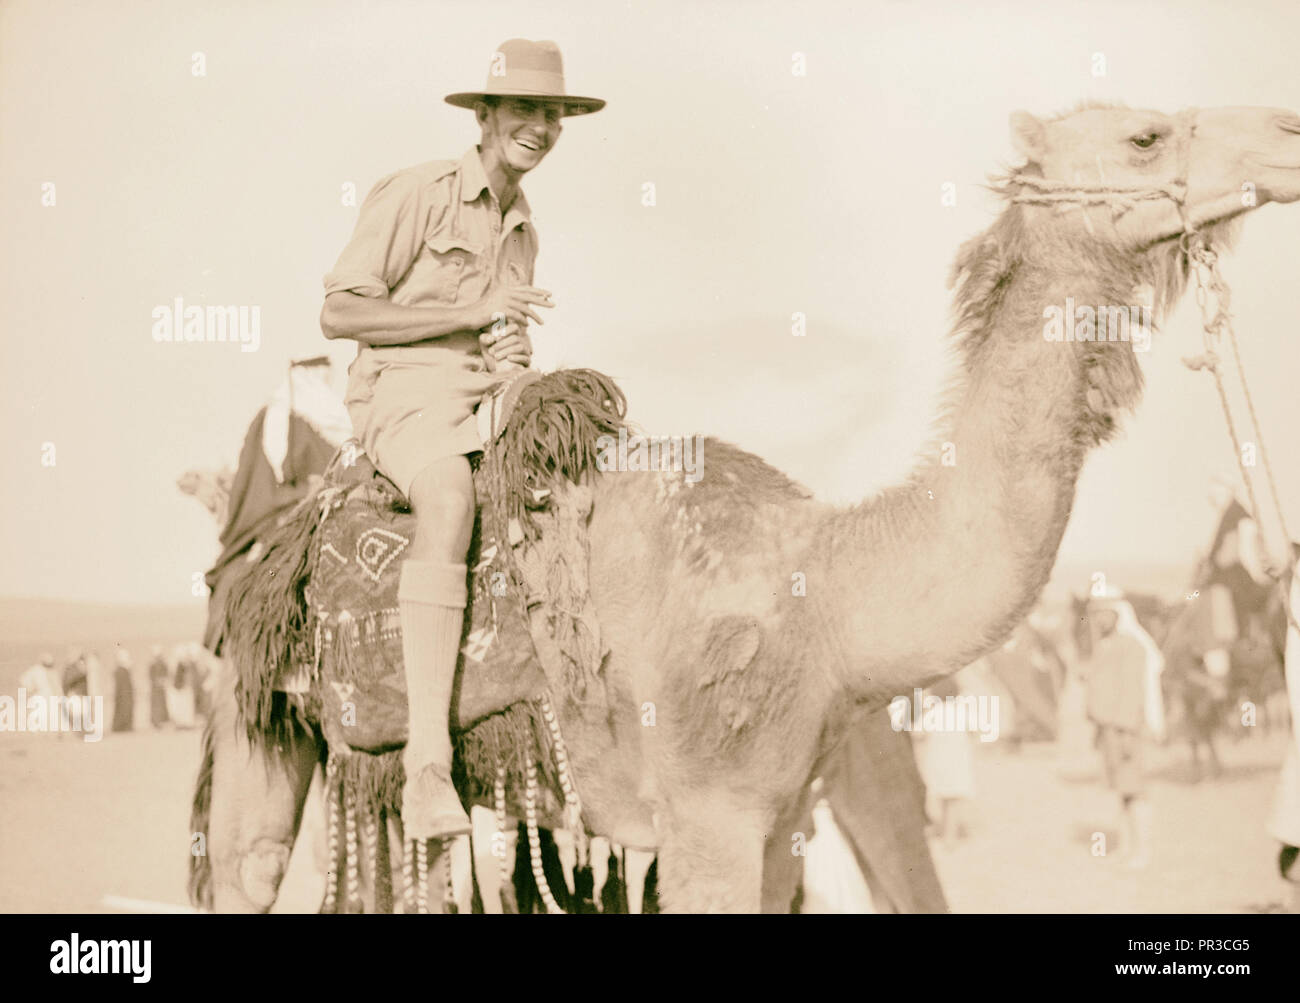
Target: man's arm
{"type": "Point", "coordinates": [374, 320]}
{"type": "Point", "coordinates": [379, 321]}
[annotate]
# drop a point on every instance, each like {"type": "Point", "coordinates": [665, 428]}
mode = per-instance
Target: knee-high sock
{"type": "Point", "coordinates": [431, 599]}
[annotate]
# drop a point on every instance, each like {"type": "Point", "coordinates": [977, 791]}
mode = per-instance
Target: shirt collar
{"type": "Point", "coordinates": [474, 180]}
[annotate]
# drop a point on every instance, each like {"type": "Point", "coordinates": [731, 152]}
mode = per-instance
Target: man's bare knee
{"type": "Point", "coordinates": [442, 497]}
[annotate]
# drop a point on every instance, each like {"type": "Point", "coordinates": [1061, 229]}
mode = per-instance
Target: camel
{"type": "Point", "coordinates": [746, 619]}
{"type": "Point", "coordinates": [211, 488]}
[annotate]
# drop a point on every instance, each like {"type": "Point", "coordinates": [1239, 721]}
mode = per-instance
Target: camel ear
{"type": "Point", "coordinates": [1028, 136]}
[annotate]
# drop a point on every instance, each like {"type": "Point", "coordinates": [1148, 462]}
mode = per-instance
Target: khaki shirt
{"type": "Point", "coordinates": [432, 235]}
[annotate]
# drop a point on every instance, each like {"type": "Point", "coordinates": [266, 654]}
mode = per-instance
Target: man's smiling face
{"type": "Point", "coordinates": [520, 131]}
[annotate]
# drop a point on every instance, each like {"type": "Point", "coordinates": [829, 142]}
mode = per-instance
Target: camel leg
{"type": "Point", "coordinates": [711, 855]}
{"type": "Point", "coordinates": [782, 855]}
{"type": "Point", "coordinates": [636, 866]}
{"type": "Point", "coordinates": [257, 797]}
{"type": "Point", "coordinates": [599, 857]}
{"type": "Point", "coordinates": [462, 878]}
{"type": "Point", "coordinates": [487, 863]}
{"type": "Point", "coordinates": [567, 848]}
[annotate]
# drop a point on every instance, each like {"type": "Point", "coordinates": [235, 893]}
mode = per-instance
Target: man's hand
{"type": "Point", "coordinates": [508, 343]}
{"type": "Point", "coordinates": [513, 304]}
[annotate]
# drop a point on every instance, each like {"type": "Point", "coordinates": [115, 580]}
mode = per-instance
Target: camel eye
{"type": "Point", "coordinates": [1145, 142]}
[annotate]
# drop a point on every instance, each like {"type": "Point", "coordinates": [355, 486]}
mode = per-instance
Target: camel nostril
{"type": "Point", "coordinates": [1290, 123]}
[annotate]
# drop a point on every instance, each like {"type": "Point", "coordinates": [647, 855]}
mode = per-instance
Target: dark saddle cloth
{"type": "Point", "coordinates": [358, 678]}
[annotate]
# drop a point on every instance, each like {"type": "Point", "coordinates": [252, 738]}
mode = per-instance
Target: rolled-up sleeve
{"type": "Point", "coordinates": [390, 231]}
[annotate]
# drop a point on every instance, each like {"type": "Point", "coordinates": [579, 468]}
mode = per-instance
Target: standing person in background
{"type": "Point", "coordinates": [1284, 822]}
{"type": "Point", "coordinates": [123, 693]}
{"type": "Point", "coordinates": [876, 796]}
{"type": "Point", "coordinates": [180, 694]}
{"type": "Point", "coordinates": [1117, 706]}
{"type": "Point", "coordinates": [75, 682]}
{"type": "Point", "coordinates": [43, 680]}
{"type": "Point", "coordinates": [286, 448]}
{"type": "Point", "coordinates": [96, 683]}
{"type": "Point", "coordinates": [947, 762]}
{"type": "Point", "coordinates": [158, 679]}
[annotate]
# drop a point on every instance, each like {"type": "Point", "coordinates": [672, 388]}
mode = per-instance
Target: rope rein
{"type": "Point", "coordinates": [1214, 322]}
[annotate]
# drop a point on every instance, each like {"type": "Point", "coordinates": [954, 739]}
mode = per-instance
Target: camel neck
{"type": "Point", "coordinates": [968, 543]}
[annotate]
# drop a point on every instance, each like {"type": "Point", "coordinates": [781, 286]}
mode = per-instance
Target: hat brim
{"type": "Point", "coordinates": [572, 105]}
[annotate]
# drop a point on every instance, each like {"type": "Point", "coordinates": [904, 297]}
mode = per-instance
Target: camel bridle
{"type": "Point", "coordinates": [1121, 198]}
{"type": "Point", "coordinates": [1213, 296]}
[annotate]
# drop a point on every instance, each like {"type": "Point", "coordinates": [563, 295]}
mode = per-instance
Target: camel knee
{"type": "Point", "coordinates": [261, 869]}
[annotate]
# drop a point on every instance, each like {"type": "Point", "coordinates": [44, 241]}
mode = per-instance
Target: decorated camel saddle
{"type": "Point", "coordinates": [313, 627]}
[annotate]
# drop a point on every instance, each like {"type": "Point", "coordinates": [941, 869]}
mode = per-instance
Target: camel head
{"type": "Point", "coordinates": [210, 487]}
{"type": "Point", "coordinates": [1107, 203]}
{"type": "Point", "coordinates": [1135, 178]}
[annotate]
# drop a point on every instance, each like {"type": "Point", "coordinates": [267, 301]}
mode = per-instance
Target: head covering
{"type": "Point", "coordinates": [524, 69]}
{"type": "Point", "coordinates": [1128, 624]}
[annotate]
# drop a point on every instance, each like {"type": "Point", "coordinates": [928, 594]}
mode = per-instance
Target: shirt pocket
{"type": "Point", "coordinates": [457, 266]}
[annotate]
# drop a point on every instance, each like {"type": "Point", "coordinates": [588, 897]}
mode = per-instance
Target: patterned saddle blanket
{"type": "Point", "coordinates": [315, 615]}
{"type": "Point", "coordinates": [358, 678]}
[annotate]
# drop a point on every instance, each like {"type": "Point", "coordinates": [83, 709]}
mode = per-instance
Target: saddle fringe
{"type": "Point", "coordinates": [269, 629]}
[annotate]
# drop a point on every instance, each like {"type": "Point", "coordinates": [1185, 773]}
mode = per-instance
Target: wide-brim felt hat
{"type": "Point", "coordinates": [524, 69]}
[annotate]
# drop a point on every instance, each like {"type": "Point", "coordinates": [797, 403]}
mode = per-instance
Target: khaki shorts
{"type": "Point", "coordinates": [415, 414]}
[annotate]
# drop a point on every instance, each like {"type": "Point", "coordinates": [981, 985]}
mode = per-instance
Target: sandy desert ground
{"type": "Point", "coordinates": [103, 827]}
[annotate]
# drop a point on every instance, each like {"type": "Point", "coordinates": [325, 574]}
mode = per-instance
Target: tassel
{"type": "Point", "coordinates": [535, 842]}
{"type": "Point", "coordinates": [572, 804]}
{"type": "Point", "coordinates": [422, 876]}
{"type": "Point", "coordinates": [408, 876]}
{"type": "Point", "coordinates": [499, 837]}
{"type": "Point", "coordinates": [352, 901]}
{"type": "Point", "coordinates": [333, 792]}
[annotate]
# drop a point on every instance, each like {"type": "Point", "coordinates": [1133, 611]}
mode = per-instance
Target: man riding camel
{"type": "Point", "coordinates": [436, 287]}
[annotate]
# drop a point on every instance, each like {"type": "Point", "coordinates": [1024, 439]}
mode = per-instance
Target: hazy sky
{"type": "Point", "coordinates": [775, 193]}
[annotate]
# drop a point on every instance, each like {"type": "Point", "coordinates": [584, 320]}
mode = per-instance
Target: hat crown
{"type": "Point", "coordinates": [523, 54]}
{"type": "Point", "coordinates": [524, 68]}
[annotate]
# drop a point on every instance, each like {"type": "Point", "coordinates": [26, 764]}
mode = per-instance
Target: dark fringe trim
{"type": "Point", "coordinates": [373, 779]}
{"type": "Point", "coordinates": [551, 435]}
{"type": "Point", "coordinates": [269, 627]}
{"type": "Point", "coordinates": [360, 649]}
{"type": "Point", "coordinates": [200, 881]}
{"type": "Point", "coordinates": [509, 738]}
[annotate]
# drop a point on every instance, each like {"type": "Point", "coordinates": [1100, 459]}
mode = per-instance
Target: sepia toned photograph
{"type": "Point", "coordinates": [720, 457]}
